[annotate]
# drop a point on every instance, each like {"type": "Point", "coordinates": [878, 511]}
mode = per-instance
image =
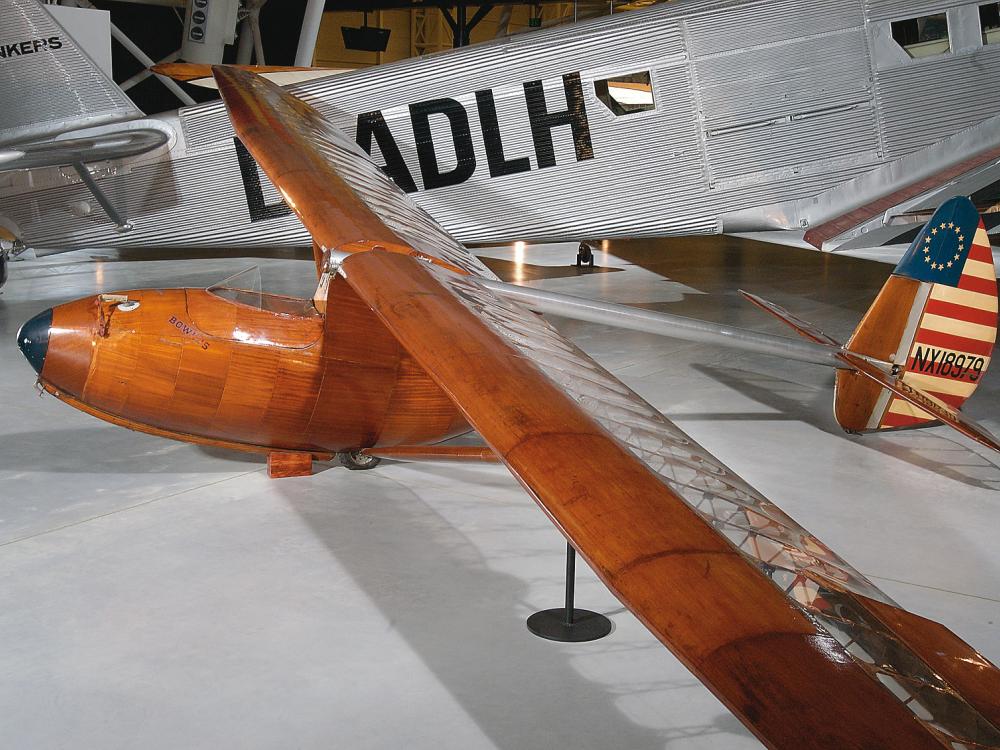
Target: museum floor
{"type": "Point", "coordinates": [159, 595]}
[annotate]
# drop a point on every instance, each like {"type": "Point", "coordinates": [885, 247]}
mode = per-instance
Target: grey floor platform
{"type": "Point", "coordinates": [160, 595]}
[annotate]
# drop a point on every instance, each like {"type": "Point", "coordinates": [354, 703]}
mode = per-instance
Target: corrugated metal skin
{"type": "Point", "coordinates": [788, 105]}
{"type": "Point", "coordinates": [897, 9]}
{"type": "Point", "coordinates": [50, 90]}
{"type": "Point", "coordinates": [792, 145]}
{"type": "Point", "coordinates": [746, 24]}
{"type": "Point", "coordinates": [937, 96]}
{"type": "Point", "coordinates": [631, 40]}
{"type": "Point", "coordinates": [663, 172]}
{"type": "Point", "coordinates": [782, 80]}
{"type": "Point", "coordinates": [210, 197]}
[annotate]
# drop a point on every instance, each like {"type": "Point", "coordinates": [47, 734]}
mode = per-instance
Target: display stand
{"type": "Point", "coordinates": [568, 624]}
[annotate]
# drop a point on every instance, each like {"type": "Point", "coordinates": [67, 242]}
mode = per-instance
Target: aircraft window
{"type": "Point", "coordinates": [925, 36]}
{"type": "Point", "coordinates": [245, 288]}
{"type": "Point", "coordinates": [989, 22]}
{"type": "Point", "coordinates": [626, 94]}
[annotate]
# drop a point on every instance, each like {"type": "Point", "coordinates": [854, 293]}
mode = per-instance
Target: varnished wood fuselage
{"type": "Point", "coordinates": [275, 375]}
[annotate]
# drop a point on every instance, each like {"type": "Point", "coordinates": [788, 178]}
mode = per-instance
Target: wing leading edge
{"type": "Point", "coordinates": [801, 647]}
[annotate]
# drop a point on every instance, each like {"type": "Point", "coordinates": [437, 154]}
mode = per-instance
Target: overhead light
{"type": "Point", "coordinates": [365, 38]}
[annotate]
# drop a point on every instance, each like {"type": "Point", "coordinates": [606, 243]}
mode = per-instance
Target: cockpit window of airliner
{"type": "Point", "coordinates": [989, 22]}
{"type": "Point", "coordinates": [626, 94]}
{"type": "Point", "coordinates": [925, 36]}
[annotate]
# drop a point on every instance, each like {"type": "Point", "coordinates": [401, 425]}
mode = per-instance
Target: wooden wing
{"type": "Point", "coordinates": [799, 645]}
{"type": "Point", "coordinates": [342, 197]}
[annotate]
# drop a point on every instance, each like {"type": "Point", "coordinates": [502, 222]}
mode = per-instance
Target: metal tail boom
{"type": "Point", "coordinates": [666, 324]}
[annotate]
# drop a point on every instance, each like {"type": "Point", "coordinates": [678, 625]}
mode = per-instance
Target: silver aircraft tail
{"type": "Point", "coordinates": [49, 85]}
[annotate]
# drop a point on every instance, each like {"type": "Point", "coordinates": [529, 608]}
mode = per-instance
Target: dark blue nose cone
{"type": "Point", "coordinates": [33, 339]}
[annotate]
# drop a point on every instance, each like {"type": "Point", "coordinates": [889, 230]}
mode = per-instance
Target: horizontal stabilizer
{"type": "Point", "coordinates": [877, 339]}
{"type": "Point", "coordinates": [802, 327]}
{"type": "Point", "coordinates": [922, 401]}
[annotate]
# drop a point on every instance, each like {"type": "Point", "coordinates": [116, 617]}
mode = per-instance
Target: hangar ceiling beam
{"type": "Point", "coordinates": [460, 28]}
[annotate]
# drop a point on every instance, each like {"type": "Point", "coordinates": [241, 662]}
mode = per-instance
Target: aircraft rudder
{"type": "Point", "coordinates": [935, 320]}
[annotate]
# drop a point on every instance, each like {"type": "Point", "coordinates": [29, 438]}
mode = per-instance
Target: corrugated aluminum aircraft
{"type": "Point", "coordinates": [846, 120]}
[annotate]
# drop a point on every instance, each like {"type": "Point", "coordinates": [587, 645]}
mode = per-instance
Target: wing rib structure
{"type": "Point", "coordinates": [799, 645]}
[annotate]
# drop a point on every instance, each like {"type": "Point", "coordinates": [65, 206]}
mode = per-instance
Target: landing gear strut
{"type": "Point", "coordinates": [8, 249]}
{"type": "Point", "coordinates": [584, 256]}
{"type": "Point", "coordinates": [358, 461]}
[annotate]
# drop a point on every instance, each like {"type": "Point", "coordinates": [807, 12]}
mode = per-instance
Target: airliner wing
{"type": "Point", "coordinates": [880, 207]}
{"type": "Point", "coordinates": [799, 645]}
{"type": "Point", "coordinates": [49, 85]}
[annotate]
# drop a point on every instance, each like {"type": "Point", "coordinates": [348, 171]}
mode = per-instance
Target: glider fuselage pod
{"type": "Point", "coordinates": [272, 376]}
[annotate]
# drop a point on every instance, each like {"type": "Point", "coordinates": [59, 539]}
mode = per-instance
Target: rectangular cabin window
{"type": "Point", "coordinates": [925, 36]}
{"type": "Point", "coordinates": [989, 22]}
{"type": "Point", "coordinates": [627, 94]}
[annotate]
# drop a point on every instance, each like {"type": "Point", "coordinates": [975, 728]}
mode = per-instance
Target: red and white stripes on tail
{"type": "Point", "coordinates": [952, 343]}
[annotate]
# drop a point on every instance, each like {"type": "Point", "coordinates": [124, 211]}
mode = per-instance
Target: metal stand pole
{"type": "Point", "coordinates": [570, 583]}
{"type": "Point", "coordinates": [568, 624]}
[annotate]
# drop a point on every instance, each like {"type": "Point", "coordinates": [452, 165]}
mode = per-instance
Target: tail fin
{"type": "Point", "coordinates": [49, 85]}
{"type": "Point", "coordinates": [935, 320]}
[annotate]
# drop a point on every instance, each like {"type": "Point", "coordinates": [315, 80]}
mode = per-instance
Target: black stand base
{"type": "Point", "coordinates": [585, 625]}
{"type": "Point", "coordinates": [568, 624]}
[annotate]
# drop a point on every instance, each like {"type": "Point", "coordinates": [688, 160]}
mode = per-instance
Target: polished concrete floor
{"type": "Point", "coordinates": [160, 595]}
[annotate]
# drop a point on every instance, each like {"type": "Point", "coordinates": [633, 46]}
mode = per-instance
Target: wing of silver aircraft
{"type": "Point", "coordinates": [887, 205]}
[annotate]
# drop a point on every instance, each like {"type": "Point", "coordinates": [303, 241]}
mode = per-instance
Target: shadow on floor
{"type": "Point", "coordinates": [946, 454]}
{"type": "Point", "coordinates": [464, 620]}
{"type": "Point", "coordinates": [106, 449]}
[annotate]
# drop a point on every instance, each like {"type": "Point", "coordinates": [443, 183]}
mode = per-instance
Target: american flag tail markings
{"type": "Point", "coordinates": [924, 345]}
{"type": "Point", "coordinates": [935, 320]}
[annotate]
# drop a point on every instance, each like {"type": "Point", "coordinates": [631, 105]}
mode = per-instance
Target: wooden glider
{"type": "Point", "coordinates": [799, 645]}
{"type": "Point", "coordinates": [410, 343]}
